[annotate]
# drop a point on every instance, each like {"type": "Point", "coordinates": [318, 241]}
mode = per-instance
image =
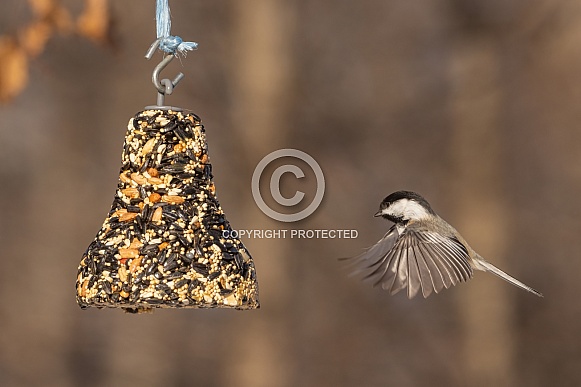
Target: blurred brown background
{"type": "Point", "coordinates": [474, 104]}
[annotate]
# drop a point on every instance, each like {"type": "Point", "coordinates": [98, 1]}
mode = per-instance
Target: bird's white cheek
{"type": "Point", "coordinates": [406, 209]}
{"type": "Point", "coordinates": [415, 211]}
{"type": "Point", "coordinates": [396, 209]}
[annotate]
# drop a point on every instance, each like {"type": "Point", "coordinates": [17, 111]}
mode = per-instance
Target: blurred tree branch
{"type": "Point", "coordinates": [49, 18]}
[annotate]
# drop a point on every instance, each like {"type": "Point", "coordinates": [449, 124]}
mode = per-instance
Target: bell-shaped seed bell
{"type": "Point", "coordinates": [166, 242]}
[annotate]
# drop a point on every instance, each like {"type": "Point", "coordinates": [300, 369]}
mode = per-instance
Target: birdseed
{"type": "Point", "coordinates": [162, 244]}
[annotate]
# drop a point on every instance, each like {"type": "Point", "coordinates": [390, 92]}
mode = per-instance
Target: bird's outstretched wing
{"type": "Point", "coordinates": [375, 254]}
{"type": "Point", "coordinates": [416, 259]}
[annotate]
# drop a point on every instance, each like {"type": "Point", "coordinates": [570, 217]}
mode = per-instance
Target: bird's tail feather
{"type": "Point", "coordinates": [489, 267]}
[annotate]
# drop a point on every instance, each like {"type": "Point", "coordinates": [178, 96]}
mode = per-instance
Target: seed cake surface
{"type": "Point", "coordinates": [162, 244]}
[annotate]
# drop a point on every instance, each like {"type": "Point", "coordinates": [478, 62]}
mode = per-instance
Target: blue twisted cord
{"type": "Point", "coordinates": [167, 42]}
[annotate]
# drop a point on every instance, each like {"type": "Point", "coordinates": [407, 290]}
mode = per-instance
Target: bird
{"type": "Point", "coordinates": [421, 251]}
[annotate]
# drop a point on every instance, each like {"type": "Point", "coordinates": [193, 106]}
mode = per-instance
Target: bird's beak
{"type": "Point", "coordinates": [378, 213]}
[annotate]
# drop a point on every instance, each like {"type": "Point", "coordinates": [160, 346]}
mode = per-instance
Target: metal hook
{"type": "Point", "coordinates": [165, 86]}
{"type": "Point", "coordinates": [155, 77]}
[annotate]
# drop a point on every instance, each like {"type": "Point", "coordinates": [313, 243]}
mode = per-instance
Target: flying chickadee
{"type": "Point", "coordinates": [421, 251]}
